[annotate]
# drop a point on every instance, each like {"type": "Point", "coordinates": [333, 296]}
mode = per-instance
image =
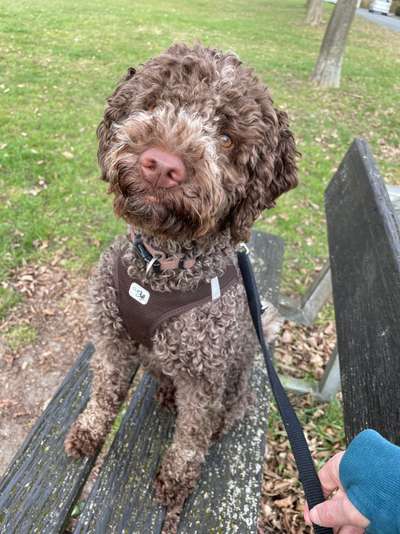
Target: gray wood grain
{"type": "Point", "coordinates": [266, 252]}
{"type": "Point", "coordinates": [227, 497]}
{"type": "Point", "coordinates": [41, 485]}
{"type": "Point", "coordinates": [364, 244]}
{"type": "Point", "coordinates": [394, 195]}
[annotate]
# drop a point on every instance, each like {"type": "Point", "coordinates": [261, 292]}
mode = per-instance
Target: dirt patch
{"type": "Point", "coordinates": [54, 309]}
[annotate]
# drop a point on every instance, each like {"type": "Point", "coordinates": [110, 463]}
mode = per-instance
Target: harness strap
{"type": "Point", "coordinates": [307, 473]}
{"type": "Point", "coordinates": [142, 310]}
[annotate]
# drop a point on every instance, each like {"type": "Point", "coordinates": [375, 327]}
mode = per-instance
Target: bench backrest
{"type": "Point", "coordinates": [364, 244]}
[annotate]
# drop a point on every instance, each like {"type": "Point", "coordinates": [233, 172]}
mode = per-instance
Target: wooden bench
{"type": "Point", "coordinates": [42, 485]}
{"type": "Point", "coordinates": [362, 275]}
{"type": "Point", "coordinates": [364, 246]}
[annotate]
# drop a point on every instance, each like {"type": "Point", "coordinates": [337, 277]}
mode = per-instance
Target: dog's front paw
{"type": "Point", "coordinates": [177, 477]}
{"type": "Point", "coordinates": [272, 322]}
{"type": "Point", "coordinates": [81, 441]}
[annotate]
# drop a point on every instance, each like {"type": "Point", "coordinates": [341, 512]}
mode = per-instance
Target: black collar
{"type": "Point", "coordinates": [150, 261]}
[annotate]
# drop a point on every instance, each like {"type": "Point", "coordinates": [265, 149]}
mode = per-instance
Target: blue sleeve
{"type": "Point", "coordinates": [370, 475]}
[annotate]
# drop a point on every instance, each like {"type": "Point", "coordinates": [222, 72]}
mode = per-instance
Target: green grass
{"type": "Point", "coordinates": [20, 336]}
{"type": "Point", "coordinates": [61, 59]}
{"type": "Point", "coordinates": [8, 299]}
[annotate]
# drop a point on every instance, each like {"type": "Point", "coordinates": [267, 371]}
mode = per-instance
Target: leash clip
{"type": "Point", "coordinates": [242, 247]}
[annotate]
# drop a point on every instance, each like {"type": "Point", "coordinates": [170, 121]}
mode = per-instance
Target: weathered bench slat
{"type": "Point", "coordinates": [40, 487]}
{"type": "Point", "coordinates": [266, 252]}
{"type": "Point", "coordinates": [364, 243]}
{"type": "Point", "coordinates": [226, 499]}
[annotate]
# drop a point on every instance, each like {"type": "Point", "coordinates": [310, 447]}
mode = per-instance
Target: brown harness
{"type": "Point", "coordinates": [143, 310]}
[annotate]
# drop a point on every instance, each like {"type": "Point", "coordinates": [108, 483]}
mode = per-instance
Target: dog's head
{"type": "Point", "coordinates": [190, 144]}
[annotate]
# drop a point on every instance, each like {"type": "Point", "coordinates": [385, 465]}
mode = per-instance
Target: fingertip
{"type": "Point", "coordinates": [306, 515]}
{"type": "Point", "coordinates": [314, 515]}
{"type": "Point", "coordinates": [307, 520]}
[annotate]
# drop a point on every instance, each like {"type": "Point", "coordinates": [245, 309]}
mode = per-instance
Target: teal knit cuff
{"type": "Point", "coordinates": [370, 474]}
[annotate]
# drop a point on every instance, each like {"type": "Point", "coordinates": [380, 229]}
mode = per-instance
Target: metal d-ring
{"type": "Point", "coordinates": [242, 247]}
{"type": "Point", "coordinates": [149, 266]}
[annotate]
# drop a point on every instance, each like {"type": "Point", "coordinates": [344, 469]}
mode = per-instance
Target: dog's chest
{"type": "Point", "coordinates": [143, 310]}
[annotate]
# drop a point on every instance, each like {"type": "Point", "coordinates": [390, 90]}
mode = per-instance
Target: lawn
{"type": "Point", "coordinates": [62, 59]}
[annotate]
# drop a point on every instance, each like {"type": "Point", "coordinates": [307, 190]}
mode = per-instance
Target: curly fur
{"type": "Point", "coordinates": [185, 101]}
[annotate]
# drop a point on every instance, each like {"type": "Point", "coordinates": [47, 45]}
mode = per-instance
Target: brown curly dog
{"type": "Point", "coordinates": [193, 151]}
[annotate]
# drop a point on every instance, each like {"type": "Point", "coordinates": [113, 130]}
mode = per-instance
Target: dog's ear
{"type": "Point", "coordinates": [285, 167]}
{"type": "Point", "coordinates": [274, 173]}
{"type": "Point", "coordinates": [116, 109]}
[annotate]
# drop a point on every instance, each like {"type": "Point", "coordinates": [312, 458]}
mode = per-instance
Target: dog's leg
{"type": "Point", "coordinates": [166, 393]}
{"type": "Point", "coordinates": [112, 365]}
{"type": "Point", "coordinates": [238, 397]}
{"type": "Point", "coordinates": [199, 407]}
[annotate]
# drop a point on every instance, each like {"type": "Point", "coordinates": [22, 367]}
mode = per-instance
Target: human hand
{"type": "Point", "coordinates": [337, 512]}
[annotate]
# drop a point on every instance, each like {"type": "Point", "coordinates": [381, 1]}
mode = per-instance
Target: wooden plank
{"type": "Point", "coordinates": [313, 301]}
{"type": "Point", "coordinates": [364, 244]}
{"type": "Point", "coordinates": [227, 497]}
{"type": "Point", "coordinates": [330, 383]}
{"type": "Point", "coordinates": [394, 195]}
{"type": "Point", "coordinates": [266, 252]}
{"type": "Point", "coordinates": [317, 294]}
{"type": "Point", "coordinates": [41, 485]}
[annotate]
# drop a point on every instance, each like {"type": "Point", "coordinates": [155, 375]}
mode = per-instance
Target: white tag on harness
{"type": "Point", "coordinates": [215, 288]}
{"type": "Point", "coordinates": [139, 293]}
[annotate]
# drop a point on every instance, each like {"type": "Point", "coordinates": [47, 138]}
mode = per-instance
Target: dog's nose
{"type": "Point", "coordinates": [162, 169]}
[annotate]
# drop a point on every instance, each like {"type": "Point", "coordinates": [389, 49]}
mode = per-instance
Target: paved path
{"type": "Point", "coordinates": [391, 23]}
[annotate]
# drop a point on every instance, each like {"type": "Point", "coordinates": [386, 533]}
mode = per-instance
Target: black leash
{"type": "Point", "coordinates": [307, 473]}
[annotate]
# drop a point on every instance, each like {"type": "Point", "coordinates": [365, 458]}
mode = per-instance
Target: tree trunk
{"type": "Point", "coordinates": [329, 65]}
{"type": "Point", "coordinates": [314, 12]}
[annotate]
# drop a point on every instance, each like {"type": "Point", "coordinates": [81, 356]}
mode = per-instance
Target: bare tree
{"type": "Point", "coordinates": [314, 12]}
{"type": "Point", "coordinates": [329, 64]}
